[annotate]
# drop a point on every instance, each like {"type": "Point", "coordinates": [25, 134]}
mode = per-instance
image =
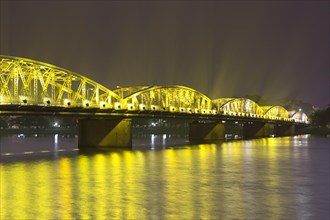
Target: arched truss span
{"type": "Point", "coordinates": [25, 81]}
{"type": "Point", "coordinates": [238, 107]}
{"type": "Point", "coordinates": [275, 112]}
{"type": "Point", "coordinates": [167, 98]}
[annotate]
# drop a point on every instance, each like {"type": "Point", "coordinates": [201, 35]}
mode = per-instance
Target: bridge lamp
{"type": "Point", "coordinates": [67, 102]}
{"type": "Point", "coordinates": [86, 103]}
{"type": "Point", "coordinates": [47, 101]}
{"type": "Point", "coordinates": [203, 111]}
{"type": "Point", "coordinates": [117, 105]}
{"type": "Point", "coordinates": [102, 105]}
{"type": "Point", "coordinates": [172, 109]}
{"type": "Point", "coordinates": [214, 111]}
{"type": "Point", "coordinates": [142, 107]}
{"type": "Point", "coordinates": [182, 109]}
{"type": "Point", "coordinates": [189, 110]}
{"type": "Point", "coordinates": [130, 106]}
{"type": "Point", "coordinates": [154, 107]}
{"type": "Point", "coordinates": [196, 110]}
{"type": "Point", "coordinates": [24, 99]}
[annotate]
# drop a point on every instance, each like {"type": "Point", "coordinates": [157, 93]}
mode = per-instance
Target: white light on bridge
{"type": "Point", "coordinates": [67, 102]}
{"type": "Point", "coordinates": [86, 103]}
{"type": "Point", "coordinates": [103, 105]}
{"type": "Point", "coordinates": [47, 101]}
{"type": "Point", "coordinates": [130, 107]}
{"type": "Point", "coordinates": [23, 99]}
{"type": "Point", "coordinates": [117, 105]}
{"type": "Point", "coordinates": [142, 107]}
{"type": "Point", "coordinates": [154, 107]}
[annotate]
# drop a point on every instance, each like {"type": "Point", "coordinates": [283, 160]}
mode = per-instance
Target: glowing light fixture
{"type": "Point", "coordinates": [67, 102]}
{"type": "Point", "coordinates": [130, 107]}
{"type": "Point", "coordinates": [117, 105]}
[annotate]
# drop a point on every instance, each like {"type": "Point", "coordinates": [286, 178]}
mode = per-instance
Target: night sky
{"type": "Point", "coordinates": [275, 49]}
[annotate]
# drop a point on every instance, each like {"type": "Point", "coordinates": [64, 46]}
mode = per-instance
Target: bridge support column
{"type": "Point", "coordinates": [102, 133]}
{"type": "Point", "coordinates": [257, 129]}
{"type": "Point", "coordinates": [284, 130]}
{"type": "Point", "coordinates": [206, 131]}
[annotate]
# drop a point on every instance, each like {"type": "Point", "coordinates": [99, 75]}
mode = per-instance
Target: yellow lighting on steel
{"type": "Point", "coordinates": [154, 107]}
{"type": "Point", "coordinates": [36, 80]}
{"type": "Point", "coordinates": [142, 107]}
{"type": "Point", "coordinates": [117, 105]}
{"type": "Point", "coordinates": [172, 109]}
{"type": "Point", "coordinates": [86, 104]}
{"type": "Point", "coordinates": [103, 105]}
{"type": "Point", "coordinates": [29, 82]}
{"type": "Point", "coordinates": [130, 107]}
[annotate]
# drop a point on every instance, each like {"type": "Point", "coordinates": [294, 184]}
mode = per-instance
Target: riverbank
{"type": "Point", "coordinates": [315, 131]}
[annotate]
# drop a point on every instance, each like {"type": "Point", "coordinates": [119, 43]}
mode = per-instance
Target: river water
{"type": "Point", "coordinates": [47, 177]}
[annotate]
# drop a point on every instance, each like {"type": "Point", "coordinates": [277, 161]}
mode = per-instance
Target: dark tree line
{"type": "Point", "coordinates": [321, 118]}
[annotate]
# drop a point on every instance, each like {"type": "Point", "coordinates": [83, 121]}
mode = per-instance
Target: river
{"type": "Point", "coordinates": [163, 177]}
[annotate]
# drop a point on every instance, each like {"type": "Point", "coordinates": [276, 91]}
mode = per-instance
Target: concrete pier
{"type": "Point", "coordinates": [284, 130]}
{"type": "Point", "coordinates": [257, 129]}
{"type": "Point", "coordinates": [206, 131]}
{"type": "Point", "coordinates": [102, 133]}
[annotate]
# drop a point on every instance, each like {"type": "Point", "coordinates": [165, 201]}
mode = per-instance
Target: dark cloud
{"type": "Point", "coordinates": [223, 49]}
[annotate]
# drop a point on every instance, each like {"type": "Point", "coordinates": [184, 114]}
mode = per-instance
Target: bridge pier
{"type": "Point", "coordinates": [103, 133]}
{"type": "Point", "coordinates": [206, 131]}
{"type": "Point", "coordinates": [257, 129]}
{"type": "Point", "coordinates": [284, 130]}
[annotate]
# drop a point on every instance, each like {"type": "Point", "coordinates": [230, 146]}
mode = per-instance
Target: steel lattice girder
{"type": "Point", "coordinates": [167, 98]}
{"type": "Point", "coordinates": [32, 82]}
{"type": "Point", "coordinates": [275, 111]}
{"type": "Point", "coordinates": [238, 106]}
{"type": "Point", "coordinates": [28, 82]}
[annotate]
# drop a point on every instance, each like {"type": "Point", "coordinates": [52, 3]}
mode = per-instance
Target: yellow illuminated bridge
{"type": "Point", "coordinates": [29, 83]}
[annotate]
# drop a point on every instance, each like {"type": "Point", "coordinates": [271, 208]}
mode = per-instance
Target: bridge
{"type": "Point", "coordinates": [29, 86]}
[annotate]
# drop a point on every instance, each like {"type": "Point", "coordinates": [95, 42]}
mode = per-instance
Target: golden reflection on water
{"type": "Point", "coordinates": [239, 179]}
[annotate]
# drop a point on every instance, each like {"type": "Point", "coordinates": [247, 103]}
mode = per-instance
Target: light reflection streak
{"type": "Point", "coordinates": [65, 188]}
{"type": "Point", "coordinates": [236, 180]}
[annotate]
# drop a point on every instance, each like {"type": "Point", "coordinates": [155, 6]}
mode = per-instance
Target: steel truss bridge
{"type": "Point", "coordinates": [33, 85]}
